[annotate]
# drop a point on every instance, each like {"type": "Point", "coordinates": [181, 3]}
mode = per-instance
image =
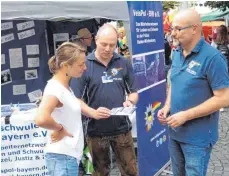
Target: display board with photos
{"type": "Point", "coordinates": [26, 47]}
{"type": "Point", "coordinates": [24, 57]}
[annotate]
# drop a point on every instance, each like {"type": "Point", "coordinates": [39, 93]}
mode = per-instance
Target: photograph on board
{"type": "Point", "coordinates": [6, 77]}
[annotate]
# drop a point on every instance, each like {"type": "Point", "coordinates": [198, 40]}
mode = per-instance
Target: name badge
{"type": "Point", "coordinates": [107, 79]}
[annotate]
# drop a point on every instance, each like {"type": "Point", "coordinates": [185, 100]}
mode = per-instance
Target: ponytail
{"type": "Point", "coordinates": [52, 64]}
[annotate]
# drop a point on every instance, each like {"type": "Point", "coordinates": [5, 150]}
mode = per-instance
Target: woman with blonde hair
{"type": "Point", "coordinates": [60, 111]}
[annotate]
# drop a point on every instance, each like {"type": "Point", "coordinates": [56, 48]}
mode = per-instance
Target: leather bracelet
{"type": "Point", "coordinates": [60, 128]}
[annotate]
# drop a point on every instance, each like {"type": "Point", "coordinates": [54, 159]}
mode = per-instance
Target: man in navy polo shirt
{"type": "Point", "coordinates": [199, 88]}
{"type": "Point", "coordinates": [108, 80]}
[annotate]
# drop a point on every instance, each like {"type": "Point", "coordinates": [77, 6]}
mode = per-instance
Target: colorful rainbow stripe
{"type": "Point", "coordinates": [156, 105]}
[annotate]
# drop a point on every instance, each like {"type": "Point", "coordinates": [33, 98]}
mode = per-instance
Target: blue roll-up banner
{"type": "Point", "coordinates": [148, 63]}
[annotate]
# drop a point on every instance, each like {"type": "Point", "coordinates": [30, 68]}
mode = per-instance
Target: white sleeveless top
{"type": "Point", "coordinates": [69, 115]}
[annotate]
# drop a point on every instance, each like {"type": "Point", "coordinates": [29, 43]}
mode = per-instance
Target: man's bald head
{"type": "Point", "coordinates": [187, 28]}
{"type": "Point", "coordinates": [189, 16]}
{"type": "Point", "coordinates": [106, 42]}
{"type": "Point", "coordinates": [106, 29]}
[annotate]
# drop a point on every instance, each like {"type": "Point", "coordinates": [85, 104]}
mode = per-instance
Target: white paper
{"type": "Point", "coordinates": [7, 38]}
{"type": "Point", "coordinates": [25, 25]}
{"type": "Point", "coordinates": [16, 59]}
{"type": "Point", "coordinates": [59, 38]}
{"type": "Point", "coordinates": [33, 62]}
{"type": "Point", "coordinates": [26, 34]}
{"type": "Point", "coordinates": [31, 74]}
{"type": "Point", "coordinates": [7, 25]}
{"type": "Point", "coordinates": [33, 96]}
{"type": "Point", "coordinates": [32, 49]}
{"type": "Point", "coordinates": [19, 89]}
{"type": "Point", "coordinates": [6, 77]}
{"type": "Point", "coordinates": [123, 111]}
{"type": "Point", "coordinates": [3, 59]}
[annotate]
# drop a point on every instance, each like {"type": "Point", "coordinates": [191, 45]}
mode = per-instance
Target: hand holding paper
{"type": "Point", "coordinates": [128, 103]}
{"type": "Point", "coordinates": [101, 113]}
{"type": "Point", "coordinates": [120, 111]}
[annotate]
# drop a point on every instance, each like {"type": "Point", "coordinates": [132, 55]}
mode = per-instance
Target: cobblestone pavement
{"type": "Point", "coordinates": [219, 162]}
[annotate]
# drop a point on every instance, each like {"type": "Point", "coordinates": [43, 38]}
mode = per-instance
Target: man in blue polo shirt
{"type": "Point", "coordinates": [199, 88]}
{"type": "Point", "coordinates": [108, 80]}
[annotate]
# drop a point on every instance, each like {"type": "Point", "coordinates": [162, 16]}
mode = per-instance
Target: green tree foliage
{"type": "Point", "coordinates": [167, 5]}
{"type": "Point", "coordinates": [222, 5]}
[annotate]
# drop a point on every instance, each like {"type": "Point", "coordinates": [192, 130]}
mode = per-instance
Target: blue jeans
{"type": "Point", "coordinates": [61, 165]}
{"type": "Point", "coordinates": [188, 159]}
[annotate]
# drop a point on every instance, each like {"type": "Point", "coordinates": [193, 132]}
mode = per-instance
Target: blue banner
{"type": "Point", "coordinates": [148, 63]}
{"type": "Point", "coordinates": [146, 26]}
{"type": "Point", "coordinates": [152, 137]}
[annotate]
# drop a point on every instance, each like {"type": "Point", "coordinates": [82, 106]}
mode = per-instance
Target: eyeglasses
{"type": "Point", "coordinates": [91, 37]}
{"type": "Point", "coordinates": [179, 28]}
{"type": "Point", "coordinates": [75, 38]}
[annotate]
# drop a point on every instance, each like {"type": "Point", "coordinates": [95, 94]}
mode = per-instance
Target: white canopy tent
{"type": "Point", "coordinates": [63, 10]}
